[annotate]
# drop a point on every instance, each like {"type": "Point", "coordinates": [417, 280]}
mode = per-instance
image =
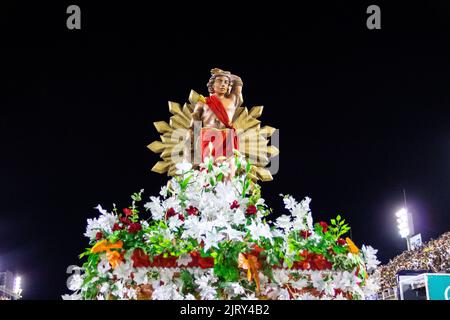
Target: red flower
{"type": "Point", "coordinates": [194, 255]}
{"type": "Point", "coordinates": [125, 221]}
{"type": "Point", "coordinates": [140, 259]}
{"type": "Point", "coordinates": [305, 234]}
{"type": "Point", "coordinates": [99, 235]}
{"type": "Point", "coordinates": [192, 211]}
{"type": "Point", "coordinates": [324, 226]}
{"type": "Point", "coordinates": [134, 227]}
{"type": "Point", "coordinates": [319, 262]}
{"type": "Point", "coordinates": [337, 292]}
{"type": "Point", "coordinates": [205, 263]}
{"type": "Point", "coordinates": [181, 217]}
{"type": "Point", "coordinates": [256, 250]}
{"type": "Point", "coordinates": [116, 227]}
{"type": "Point", "coordinates": [127, 212]}
{"type": "Point", "coordinates": [251, 210]}
{"type": "Point", "coordinates": [341, 242]}
{"type": "Point", "coordinates": [170, 213]}
{"type": "Point", "coordinates": [306, 265]}
{"type": "Point", "coordinates": [234, 205]}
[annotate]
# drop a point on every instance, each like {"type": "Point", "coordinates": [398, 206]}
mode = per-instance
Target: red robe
{"type": "Point", "coordinates": [223, 140]}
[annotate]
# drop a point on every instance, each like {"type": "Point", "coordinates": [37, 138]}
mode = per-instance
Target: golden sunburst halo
{"type": "Point", "coordinates": [253, 140]}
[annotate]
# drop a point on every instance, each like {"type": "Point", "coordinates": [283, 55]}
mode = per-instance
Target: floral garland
{"type": "Point", "coordinates": [207, 237]}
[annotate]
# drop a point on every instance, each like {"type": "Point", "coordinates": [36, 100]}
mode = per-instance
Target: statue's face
{"type": "Point", "coordinates": [221, 84]}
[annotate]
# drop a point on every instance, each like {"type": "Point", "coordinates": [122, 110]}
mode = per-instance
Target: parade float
{"type": "Point", "coordinates": [209, 233]}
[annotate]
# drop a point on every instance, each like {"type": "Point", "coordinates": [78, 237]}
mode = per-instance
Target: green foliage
{"type": "Point", "coordinates": [188, 282]}
{"type": "Point", "coordinates": [338, 227]}
{"type": "Point", "coordinates": [226, 261]}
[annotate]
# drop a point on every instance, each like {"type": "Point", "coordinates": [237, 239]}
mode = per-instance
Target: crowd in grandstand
{"type": "Point", "coordinates": [433, 256]}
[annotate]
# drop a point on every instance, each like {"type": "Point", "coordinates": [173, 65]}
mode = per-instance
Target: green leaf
{"type": "Point", "coordinates": [220, 177]}
{"type": "Point", "coordinates": [338, 218]}
{"type": "Point", "coordinates": [333, 222]}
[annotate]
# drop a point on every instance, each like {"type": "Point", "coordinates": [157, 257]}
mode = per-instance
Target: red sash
{"type": "Point", "coordinates": [223, 141]}
{"type": "Point", "coordinates": [217, 107]}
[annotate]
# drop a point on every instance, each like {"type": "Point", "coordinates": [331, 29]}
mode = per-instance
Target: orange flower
{"type": "Point", "coordinates": [351, 246]}
{"type": "Point", "coordinates": [250, 263]}
{"type": "Point", "coordinates": [104, 245]}
{"type": "Point", "coordinates": [114, 258]}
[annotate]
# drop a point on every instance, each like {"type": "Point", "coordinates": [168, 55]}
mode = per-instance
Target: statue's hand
{"type": "Point", "coordinates": [217, 70]}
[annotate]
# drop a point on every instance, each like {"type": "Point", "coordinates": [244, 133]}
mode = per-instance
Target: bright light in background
{"type": "Point", "coordinates": [18, 285]}
{"type": "Point", "coordinates": [403, 223]}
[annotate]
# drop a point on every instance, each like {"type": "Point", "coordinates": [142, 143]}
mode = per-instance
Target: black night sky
{"type": "Point", "coordinates": [362, 114]}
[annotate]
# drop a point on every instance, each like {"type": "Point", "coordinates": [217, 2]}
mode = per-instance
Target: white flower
{"type": "Point", "coordinates": [183, 167]}
{"type": "Point", "coordinates": [156, 209]}
{"type": "Point", "coordinates": [131, 294]}
{"type": "Point", "coordinates": [283, 295]}
{"type": "Point", "coordinates": [166, 292]}
{"type": "Point", "coordinates": [372, 286]}
{"type": "Point", "coordinates": [280, 276]}
{"type": "Point", "coordinates": [289, 203]}
{"type": "Point", "coordinates": [73, 296]}
{"type": "Point", "coordinates": [100, 209]}
{"type": "Point", "coordinates": [207, 292]}
{"type": "Point", "coordinates": [236, 289]}
{"type": "Point", "coordinates": [191, 227]}
{"type": "Point", "coordinates": [370, 258]}
{"type": "Point", "coordinates": [103, 266]}
{"type": "Point", "coordinates": [141, 277]}
{"type": "Point", "coordinates": [299, 284]}
{"type": "Point", "coordinates": [104, 288]}
{"type": "Point", "coordinates": [164, 191]}
{"type": "Point", "coordinates": [284, 222]}
{"type": "Point", "coordinates": [250, 296]}
{"type": "Point", "coordinates": [307, 296]}
{"type": "Point", "coordinates": [104, 223]}
{"type": "Point", "coordinates": [123, 271]}
{"type": "Point", "coordinates": [317, 280]}
{"type": "Point", "coordinates": [212, 239]}
{"type": "Point", "coordinates": [345, 280]}
{"type": "Point", "coordinates": [239, 217]}
{"type": "Point", "coordinates": [225, 192]}
{"type": "Point", "coordinates": [75, 282]}
{"type": "Point", "coordinates": [189, 296]}
{"type": "Point", "coordinates": [233, 234]}
{"type": "Point", "coordinates": [175, 222]}
{"type": "Point", "coordinates": [258, 230]}
{"type": "Point", "coordinates": [184, 259]}
{"type": "Point", "coordinates": [309, 221]}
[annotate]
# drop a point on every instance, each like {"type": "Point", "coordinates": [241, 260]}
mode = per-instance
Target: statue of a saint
{"type": "Point", "coordinates": [215, 113]}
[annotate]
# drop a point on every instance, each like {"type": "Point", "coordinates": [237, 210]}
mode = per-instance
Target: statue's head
{"type": "Point", "coordinates": [220, 82]}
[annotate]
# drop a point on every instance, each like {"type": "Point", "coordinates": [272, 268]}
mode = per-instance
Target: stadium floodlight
{"type": "Point", "coordinates": [18, 285]}
{"type": "Point", "coordinates": [405, 225]}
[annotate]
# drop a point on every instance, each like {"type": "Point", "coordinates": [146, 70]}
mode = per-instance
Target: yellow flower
{"type": "Point", "coordinates": [351, 246]}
